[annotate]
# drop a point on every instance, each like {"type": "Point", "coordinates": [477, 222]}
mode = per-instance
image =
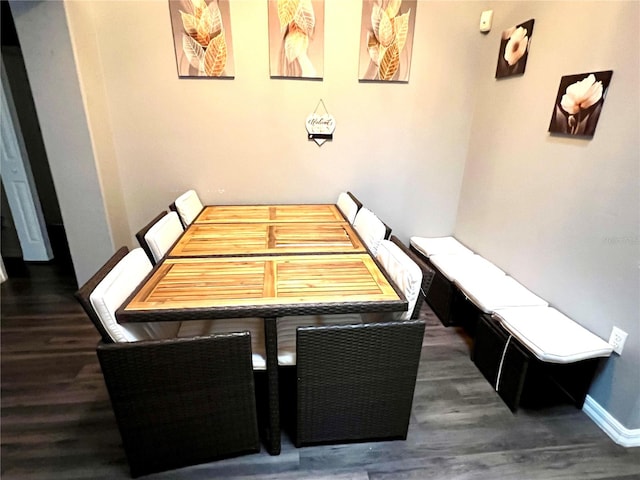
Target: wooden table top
{"type": "Point", "coordinates": [215, 239]}
{"type": "Point", "coordinates": [322, 213]}
{"type": "Point", "coordinates": [267, 286]}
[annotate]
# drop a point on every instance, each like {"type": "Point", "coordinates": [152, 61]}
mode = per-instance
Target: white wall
{"type": "Point", "coordinates": [95, 100]}
{"type": "Point", "coordinates": [562, 214]}
{"type": "Point", "coordinates": [400, 148]}
{"type": "Point", "coordinates": [51, 69]}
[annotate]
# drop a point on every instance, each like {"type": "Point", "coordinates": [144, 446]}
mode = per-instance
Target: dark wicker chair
{"type": "Point", "coordinates": [355, 382]}
{"type": "Point", "coordinates": [428, 274]}
{"type": "Point", "coordinates": [83, 294]}
{"type": "Point", "coordinates": [348, 206]}
{"type": "Point", "coordinates": [183, 401]}
{"type": "Point", "coordinates": [140, 235]}
{"type": "Point", "coordinates": [359, 204]}
{"type": "Point", "coordinates": [178, 401]}
{"type": "Point", "coordinates": [365, 221]}
{"type": "Point", "coordinates": [440, 295]}
{"type": "Point", "coordinates": [173, 207]}
{"type": "Point", "coordinates": [158, 237]}
{"type": "Point", "coordinates": [355, 200]}
{"type": "Point", "coordinates": [387, 232]}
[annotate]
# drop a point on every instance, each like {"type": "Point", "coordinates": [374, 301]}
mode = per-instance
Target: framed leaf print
{"type": "Point", "coordinates": [386, 40]}
{"type": "Point", "coordinates": [296, 38]}
{"type": "Point", "coordinates": [202, 38]}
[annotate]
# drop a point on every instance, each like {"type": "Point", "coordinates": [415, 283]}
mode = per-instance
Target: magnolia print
{"type": "Point", "coordinates": [202, 37]}
{"type": "Point", "coordinates": [296, 38]}
{"type": "Point", "coordinates": [386, 39]}
{"type": "Point", "coordinates": [514, 50]}
{"type": "Point", "coordinates": [579, 103]}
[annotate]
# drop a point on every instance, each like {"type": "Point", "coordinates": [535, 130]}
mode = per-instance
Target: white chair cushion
{"type": "Point", "coordinates": [370, 228]}
{"type": "Point", "coordinates": [493, 292]}
{"type": "Point", "coordinates": [163, 235]}
{"type": "Point", "coordinates": [347, 206]}
{"type": "Point", "coordinates": [189, 206]}
{"type": "Point", "coordinates": [439, 245]}
{"type": "Point", "coordinates": [114, 289]}
{"type": "Point", "coordinates": [552, 336]}
{"type": "Point", "coordinates": [454, 267]}
{"type": "Point", "coordinates": [255, 326]}
{"type": "Point", "coordinates": [403, 271]}
{"type": "Point", "coordinates": [287, 327]}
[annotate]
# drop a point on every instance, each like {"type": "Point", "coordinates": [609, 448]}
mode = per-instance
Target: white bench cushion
{"type": "Point", "coordinates": [255, 326]}
{"type": "Point", "coordinates": [462, 266]}
{"type": "Point", "coordinates": [403, 271]}
{"type": "Point", "coordinates": [551, 336]}
{"type": "Point", "coordinates": [439, 245]}
{"type": "Point", "coordinates": [161, 236]}
{"type": "Point", "coordinates": [490, 293]}
{"type": "Point", "coordinates": [114, 289]}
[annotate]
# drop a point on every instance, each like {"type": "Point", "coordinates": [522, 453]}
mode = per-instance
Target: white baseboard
{"type": "Point", "coordinates": [612, 427]}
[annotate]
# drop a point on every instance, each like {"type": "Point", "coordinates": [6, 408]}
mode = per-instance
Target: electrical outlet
{"type": "Point", "coordinates": [617, 339]}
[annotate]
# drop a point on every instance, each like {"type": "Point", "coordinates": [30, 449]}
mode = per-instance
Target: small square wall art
{"type": "Point", "coordinates": [514, 50]}
{"type": "Point", "coordinates": [386, 40]}
{"type": "Point", "coordinates": [579, 102]}
{"type": "Point", "coordinates": [296, 38]}
{"type": "Point", "coordinates": [202, 38]}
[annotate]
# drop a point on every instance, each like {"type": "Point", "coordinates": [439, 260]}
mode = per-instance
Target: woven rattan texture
{"type": "Point", "coordinates": [439, 295]}
{"type": "Point", "coordinates": [283, 310]}
{"type": "Point", "coordinates": [356, 382]}
{"type": "Point", "coordinates": [273, 433]}
{"type": "Point", "coordinates": [182, 401]}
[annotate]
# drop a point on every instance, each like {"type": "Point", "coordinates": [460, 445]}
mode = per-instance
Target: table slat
{"type": "Point", "coordinates": [260, 281]}
{"type": "Point", "coordinates": [201, 240]}
{"type": "Point", "coordinates": [270, 213]}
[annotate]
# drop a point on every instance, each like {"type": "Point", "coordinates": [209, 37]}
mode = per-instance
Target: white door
{"type": "Point", "coordinates": [19, 185]}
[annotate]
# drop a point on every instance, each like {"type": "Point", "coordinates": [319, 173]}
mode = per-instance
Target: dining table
{"type": "Point", "coordinates": [286, 269]}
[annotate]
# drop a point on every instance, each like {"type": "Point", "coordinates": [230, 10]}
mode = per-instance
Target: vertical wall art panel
{"type": "Point", "coordinates": [579, 103]}
{"type": "Point", "coordinates": [386, 40]}
{"type": "Point", "coordinates": [202, 38]}
{"type": "Point", "coordinates": [514, 49]}
{"type": "Point", "coordinates": [296, 38]}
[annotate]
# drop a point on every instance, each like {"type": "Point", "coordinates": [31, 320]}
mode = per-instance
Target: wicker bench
{"type": "Point", "coordinates": [537, 355]}
{"type": "Point", "coordinates": [528, 351]}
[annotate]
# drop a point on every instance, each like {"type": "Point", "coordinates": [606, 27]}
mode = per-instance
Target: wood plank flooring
{"type": "Point", "coordinates": [57, 422]}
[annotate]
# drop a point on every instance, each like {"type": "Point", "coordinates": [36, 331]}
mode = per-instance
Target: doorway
{"type": "Point", "coordinates": [39, 164]}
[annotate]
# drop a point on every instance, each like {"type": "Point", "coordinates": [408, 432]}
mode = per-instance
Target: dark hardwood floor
{"type": "Point", "coordinates": [57, 421]}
